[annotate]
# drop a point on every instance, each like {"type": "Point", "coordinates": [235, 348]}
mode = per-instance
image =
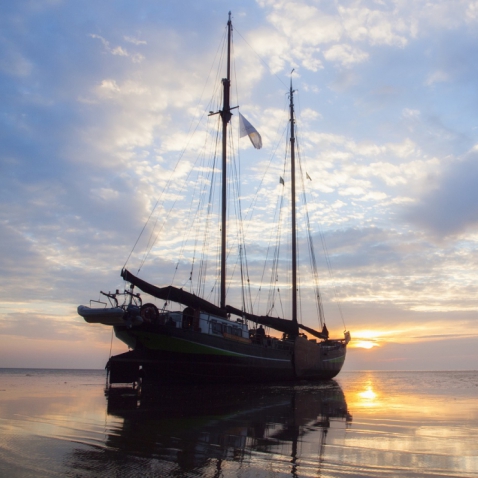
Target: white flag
{"type": "Point", "coordinates": [246, 129]}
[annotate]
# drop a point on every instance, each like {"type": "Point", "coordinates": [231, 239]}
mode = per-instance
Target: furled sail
{"type": "Point", "coordinates": [320, 335]}
{"type": "Point", "coordinates": [181, 296]}
{"type": "Point", "coordinates": [276, 323]}
{"type": "Point", "coordinates": [173, 294]}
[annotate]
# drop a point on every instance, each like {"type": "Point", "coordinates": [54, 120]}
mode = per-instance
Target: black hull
{"type": "Point", "coordinates": [182, 356]}
{"type": "Point", "coordinates": [174, 368]}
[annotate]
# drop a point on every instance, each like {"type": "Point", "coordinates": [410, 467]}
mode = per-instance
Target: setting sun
{"type": "Point", "coordinates": [365, 344]}
{"type": "Point", "coordinates": [366, 339]}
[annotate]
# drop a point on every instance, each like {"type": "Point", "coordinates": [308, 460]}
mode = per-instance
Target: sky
{"type": "Point", "coordinates": [97, 102]}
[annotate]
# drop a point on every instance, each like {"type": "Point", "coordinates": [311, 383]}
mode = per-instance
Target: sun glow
{"type": "Point", "coordinates": [365, 344]}
{"type": "Point", "coordinates": [365, 339]}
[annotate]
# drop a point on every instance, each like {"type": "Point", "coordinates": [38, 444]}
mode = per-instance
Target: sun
{"type": "Point", "coordinates": [365, 344]}
{"type": "Point", "coordinates": [366, 339]}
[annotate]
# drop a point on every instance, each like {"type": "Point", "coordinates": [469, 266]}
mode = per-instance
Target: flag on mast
{"type": "Point", "coordinates": [246, 129]}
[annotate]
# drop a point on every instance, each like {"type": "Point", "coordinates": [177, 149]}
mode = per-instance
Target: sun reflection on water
{"type": "Point", "coordinates": [367, 397]}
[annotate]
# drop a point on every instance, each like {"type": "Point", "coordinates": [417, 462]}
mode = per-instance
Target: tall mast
{"type": "Point", "coordinates": [294, 232]}
{"type": "Point", "coordinates": [226, 117]}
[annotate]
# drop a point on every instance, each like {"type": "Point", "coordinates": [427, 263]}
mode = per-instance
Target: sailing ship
{"type": "Point", "coordinates": [197, 340]}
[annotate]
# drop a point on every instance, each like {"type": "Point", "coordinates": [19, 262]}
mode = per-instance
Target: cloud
{"type": "Point", "coordinates": [345, 54]}
{"type": "Point", "coordinates": [378, 25]}
{"type": "Point", "coordinates": [119, 50]}
{"type": "Point", "coordinates": [437, 76]}
{"type": "Point", "coordinates": [450, 207]}
{"type": "Point", "coordinates": [135, 41]}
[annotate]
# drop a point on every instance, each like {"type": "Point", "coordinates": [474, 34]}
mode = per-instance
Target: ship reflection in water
{"type": "Point", "coordinates": [205, 430]}
{"type": "Point", "coordinates": [407, 424]}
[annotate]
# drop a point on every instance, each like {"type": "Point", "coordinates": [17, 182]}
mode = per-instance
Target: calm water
{"type": "Point", "coordinates": [365, 424]}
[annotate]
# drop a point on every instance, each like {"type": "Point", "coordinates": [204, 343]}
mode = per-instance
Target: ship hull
{"type": "Point", "coordinates": [185, 356]}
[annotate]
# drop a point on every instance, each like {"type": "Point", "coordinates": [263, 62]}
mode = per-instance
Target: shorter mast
{"type": "Point", "coordinates": [293, 207]}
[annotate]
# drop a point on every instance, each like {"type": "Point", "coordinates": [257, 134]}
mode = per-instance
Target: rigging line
{"type": "Point", "coordinates": [275, 255]}
{"type": "Point", "coordinates": [238, 166]}
{"type": "Point", "coordinates": [280, 302]}
{"type": "Point", "coordinates": [327, 260]}
{"type": "Point", "coordinates": [215, 90]}
{"type": "Point", "coordinates": [189, 138]}
{"type": "Point", "coordinates": [213, 295]}
{"type": "Point", "coordinates": [269, 247]}
{"type": "Point", "coordinates": [247, 293]}
{"type": "Point", "coordinates": [299, 298]}
{"type": "Point", "coordinates": [236, 187]}
{"type": "Point", "coordinates": [242, 280]}
{"type": "Point", "coordinates": [249, 213]}
{"type": "Point", "coordinates": [329, 267]}
{"type": "Point", "coordinates": [326, 255]}
{"type": "Point", "coordinates": [202, 273]}
{"type": "Point", "coordinates": [211, 203]}
{"type": "Point", "coordinates": [199, 192]}
{"type": "Point", "coordinates": [206, 250]}
{"type": "Point", "coordinates": [236, 83]}
{"type": "Point", "coordinates": [234, 192]}
{"type": "Point", "coordinates": [203, 267]}
{"type": "Point", "coordinates": [230, 194]}
{"type": "Point", "coordinates": [299, 250]}
{"type": "Point", "coordinates": [250, 209]}
{"type": "Point", "coordinates": [312, 259]}
{"type": "Point", "coordinates": [260, 58]}
{"type": "Point", "coordinates": [236, 184]}
{"type": "Point", "coordinates": [196, 230]}
{"type": "Point", "coordinates": [152, 241]}
{"type": "Point", "coordinates": [275, 264]}
{"type": "Point", "coordinates": [312, 256]}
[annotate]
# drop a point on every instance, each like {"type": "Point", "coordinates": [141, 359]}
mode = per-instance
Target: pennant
{"type": "Point", "coordinates": [307, 176]}
{"type": "Point", "coordinates": [246, 129]}
{"type": "Point", "coordinates": [281, 181]}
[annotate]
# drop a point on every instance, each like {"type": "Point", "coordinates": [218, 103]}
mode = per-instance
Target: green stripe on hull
{"type": "Point", "coordinates": [340, 359]}
{"type": "Point", "coordinates": [173, 344]}
{"type": "Point", "coordinates": [166, 343]}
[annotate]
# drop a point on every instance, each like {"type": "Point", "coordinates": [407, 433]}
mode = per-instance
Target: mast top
{"type": "Point", "coordinates": [291, 90]}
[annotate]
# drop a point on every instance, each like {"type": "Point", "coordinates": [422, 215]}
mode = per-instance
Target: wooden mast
{"type": "Point", "coordinates": [226, 117]}
{"type": "Point", "coordinates": [293, 207]}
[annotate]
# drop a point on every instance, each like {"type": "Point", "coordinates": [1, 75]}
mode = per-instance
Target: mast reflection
{"type": "Point", "coordinates": [205, 428]}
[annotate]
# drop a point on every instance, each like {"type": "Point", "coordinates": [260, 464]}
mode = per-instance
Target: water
{"type": "Point", "coordinates": [364, 424]}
